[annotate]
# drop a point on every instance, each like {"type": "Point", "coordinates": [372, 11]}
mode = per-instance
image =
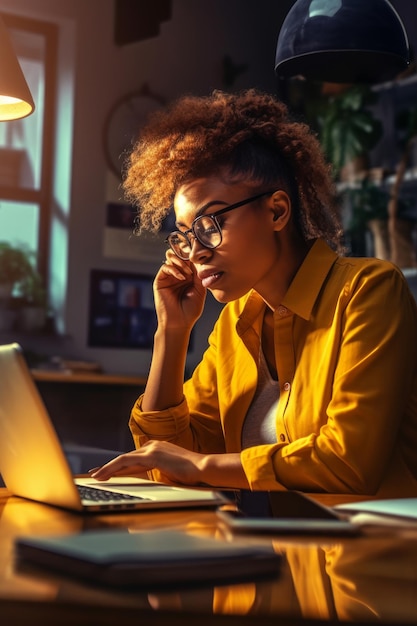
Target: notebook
{"type": "Point", "coordinates": [34, 466]}
{"type": "Point", "coordinates": [160, 558]}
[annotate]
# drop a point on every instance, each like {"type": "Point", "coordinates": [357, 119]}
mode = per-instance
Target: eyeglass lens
{"type": "Point", "coordinates": [205, 230]}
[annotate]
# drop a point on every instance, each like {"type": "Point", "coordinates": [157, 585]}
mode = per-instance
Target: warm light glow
{"type": "Point", "coordinates": [14, 108]}
{"type": "Point", "coordinates": [8, 100]}
{"type": "Point", "coordinates": [15, 98]}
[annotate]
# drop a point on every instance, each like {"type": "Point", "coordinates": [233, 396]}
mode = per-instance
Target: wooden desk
{"type": "Point", "coordinates": [323, 581]}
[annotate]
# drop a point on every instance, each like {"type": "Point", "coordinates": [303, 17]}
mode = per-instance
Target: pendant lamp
{"type": "Point", "coordinates": [15, 98]}
{"type": "Point", "coordinates": [342, 41]}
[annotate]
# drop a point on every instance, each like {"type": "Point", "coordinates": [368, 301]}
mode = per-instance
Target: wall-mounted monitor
{"type": "Point", "coordinates": [122, 312]}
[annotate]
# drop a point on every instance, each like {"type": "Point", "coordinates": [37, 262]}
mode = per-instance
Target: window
{"type": "Point", "coordinates": [27, 145]}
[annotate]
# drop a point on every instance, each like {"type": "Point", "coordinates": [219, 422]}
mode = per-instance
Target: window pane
{"type": "Point", "coordinates": [21, 140]}
{"type": "Point", "coordinates": [19, 223]}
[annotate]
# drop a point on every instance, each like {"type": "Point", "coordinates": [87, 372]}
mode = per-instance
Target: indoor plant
{"type": "Point", "coordinates": [33, 302]}
{"type": "Point", "coordinates": [348, 129]}
{"type": "Point", "coordinates": [21, 288]}
{"type": "Point", "coordinates": [15, 265]}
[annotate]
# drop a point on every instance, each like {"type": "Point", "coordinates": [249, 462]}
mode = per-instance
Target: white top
{"type": "Point", "coordinates": [259, 426]}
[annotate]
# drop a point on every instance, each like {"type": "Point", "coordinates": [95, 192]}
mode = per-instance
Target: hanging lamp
{"type": "Point", "coordinates": [342, 41]}
{"type": "Point", "coordinates": [15, 98]}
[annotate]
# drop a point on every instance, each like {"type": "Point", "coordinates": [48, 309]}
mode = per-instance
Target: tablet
{"type": "Point", "coordinates": [284, 512]}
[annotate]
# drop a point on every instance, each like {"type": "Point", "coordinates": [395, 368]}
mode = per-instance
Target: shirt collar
{"type": "Point", "coordinates": [308, 281]}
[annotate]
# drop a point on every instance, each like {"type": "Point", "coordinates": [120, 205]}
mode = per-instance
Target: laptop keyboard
{"type": "Point", "coordinates": [91, 494]}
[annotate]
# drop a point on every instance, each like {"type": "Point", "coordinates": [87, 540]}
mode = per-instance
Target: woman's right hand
{"type": "Point", "coordinates": [179, 294]}
{"type": "Point", "coordinates": [179, 301]}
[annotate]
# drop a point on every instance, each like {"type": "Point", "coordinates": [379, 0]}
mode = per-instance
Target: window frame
{"type": "Point", "coordinates": [43, 196]}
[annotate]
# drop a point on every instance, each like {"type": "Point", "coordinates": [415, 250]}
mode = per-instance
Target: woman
{"type": "Point", "coordinates": [309, 380]}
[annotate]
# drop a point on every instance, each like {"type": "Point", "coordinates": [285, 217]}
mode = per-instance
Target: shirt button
{"type": "Point", "coordinates": [282, 437]}
{"type": "Point", "coordinates": [282, 310]}
{"type": "Point", "coordinates": [287, 386]}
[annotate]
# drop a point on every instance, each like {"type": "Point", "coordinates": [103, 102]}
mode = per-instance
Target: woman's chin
{"type": "Point", "coordinates": [224, 297]}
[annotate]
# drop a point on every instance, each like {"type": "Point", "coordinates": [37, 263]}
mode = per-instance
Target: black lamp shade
{"type": "Point", "coordinates": [342, 41]}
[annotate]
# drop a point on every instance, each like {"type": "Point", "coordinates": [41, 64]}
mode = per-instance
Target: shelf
{"type": "Point", "coordinates": [86, 377]}
{"type": "Point", "coordinates": [402, 82]}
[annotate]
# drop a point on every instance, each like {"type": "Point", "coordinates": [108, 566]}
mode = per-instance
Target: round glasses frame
{"type": "Point", "coordinates": [214, 228]}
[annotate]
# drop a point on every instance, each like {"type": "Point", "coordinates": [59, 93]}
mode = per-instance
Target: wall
{"type": "Point", "coordinates": [185, 57]}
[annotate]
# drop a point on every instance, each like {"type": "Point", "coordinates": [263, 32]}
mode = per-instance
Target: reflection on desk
{"type": "Point", "coordinates": [363, 579]}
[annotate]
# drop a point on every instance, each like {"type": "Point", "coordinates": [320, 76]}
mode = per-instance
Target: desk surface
{"type": "Point", "coordinates": [323, 580]}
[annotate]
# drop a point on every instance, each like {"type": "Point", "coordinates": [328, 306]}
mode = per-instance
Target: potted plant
{"type": "Point", "coordinates": [348, 129]}
{"type": "Point", "coordinates": [22, 293]}
{"type": "Point", "coordinates": [33, 302]}
{"type": "Point", "coordinates": [15, 265]}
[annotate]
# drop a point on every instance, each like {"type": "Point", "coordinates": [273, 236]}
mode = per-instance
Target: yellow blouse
{"type": "Point", "coordinates": [346, 355]}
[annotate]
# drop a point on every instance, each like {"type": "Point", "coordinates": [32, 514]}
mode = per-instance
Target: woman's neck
{"type": "Point", "coordinates": [289, 262]}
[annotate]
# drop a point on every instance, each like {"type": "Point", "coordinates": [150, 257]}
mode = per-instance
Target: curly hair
{"type": "Point", "coordinates": [246, 137]}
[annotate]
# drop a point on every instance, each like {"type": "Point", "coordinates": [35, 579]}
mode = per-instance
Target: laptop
{"type": "Point", "coordinates": [33, 464]}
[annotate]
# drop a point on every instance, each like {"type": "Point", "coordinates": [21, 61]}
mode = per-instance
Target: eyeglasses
{"type": "Point", "coordinates": [206, 229]}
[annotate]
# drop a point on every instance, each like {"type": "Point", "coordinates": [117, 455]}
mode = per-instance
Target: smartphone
{"type": "Point", "coordinates": [284, 512]}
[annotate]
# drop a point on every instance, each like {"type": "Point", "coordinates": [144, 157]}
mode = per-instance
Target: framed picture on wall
{"type": "Point", "coordinates": [121, 311]}
{"type": "Point", "coordinates": [120, 215]}
{"type": "Point", "coordinates": [120, 242]}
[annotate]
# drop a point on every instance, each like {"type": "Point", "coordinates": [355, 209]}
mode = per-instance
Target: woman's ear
{"type": "Point", "coordinates": [281, 209]}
